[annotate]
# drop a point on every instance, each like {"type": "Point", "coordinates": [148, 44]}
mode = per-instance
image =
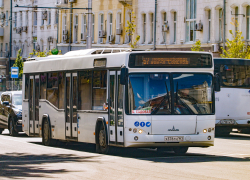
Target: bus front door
{"type": "Point", "coordinates": [34, 104]}
{"type": "Point", "coordinates": [116, 120]}
{"type": "Point", "coordinates": [71, 106]}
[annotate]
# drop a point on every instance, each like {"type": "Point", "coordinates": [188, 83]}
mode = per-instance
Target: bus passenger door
{"type": "Point", "coordinates": [34, 104]}
{"type": "Point", "coordinates": [116, 122]}
{"type": "Point", "coordinates": [71, 106]}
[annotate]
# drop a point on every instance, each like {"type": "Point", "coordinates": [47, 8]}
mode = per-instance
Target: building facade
{"type": "Point", "coordinates": [180, 23]}
{"type": "Point", "coordinates": [109, 19]}
{"type": "Point", "coordinates": [34, 28]}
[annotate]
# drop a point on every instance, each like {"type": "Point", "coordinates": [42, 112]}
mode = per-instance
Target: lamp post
{"type": "Point", "coordinates": [10, 44]}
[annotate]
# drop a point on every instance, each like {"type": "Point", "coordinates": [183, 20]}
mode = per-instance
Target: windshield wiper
{"type": "Point", "coordinates": [166, 96]}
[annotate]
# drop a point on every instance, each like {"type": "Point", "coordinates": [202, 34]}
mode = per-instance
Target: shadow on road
{"type": "Point", "coordinates": [235, 136]}
{"type": "Point", "coordinates": [149, 154]}
{"type": "Point", "coordinates": [16, 165]}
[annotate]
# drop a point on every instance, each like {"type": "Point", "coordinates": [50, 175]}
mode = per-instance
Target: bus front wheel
{"type": "Point", "coordinates": [46, 133]}
{"type": "Point", "coordinates": [102, 140]}
{"type": "Point", "coordinates": [180, 150]}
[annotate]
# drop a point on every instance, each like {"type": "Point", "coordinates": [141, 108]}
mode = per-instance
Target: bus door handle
{"type": "Point", "coordinates": [75, 128]}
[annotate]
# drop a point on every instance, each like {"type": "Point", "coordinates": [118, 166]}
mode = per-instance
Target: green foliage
{"type": "Point", "coordinates": [130, 29]}
{"type": "Point", "coordinates": [19, 63]}
{"type": "Point", "coordinates": [197, 46]}
{"type": "Point", "coordinates": [54, 51]}
{"type": "Point", "coordinates": [40, 54]}
{"type": "Point", "coordinates": [236, 48]}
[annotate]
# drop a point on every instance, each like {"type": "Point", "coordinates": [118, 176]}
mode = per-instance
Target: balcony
{"type": "Point", "coordinates": [126, 2]}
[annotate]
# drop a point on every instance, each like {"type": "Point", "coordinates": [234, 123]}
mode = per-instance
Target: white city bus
{"type": "Point", "coordinates": [233, 101]}
{"type": "Point", "coordinates": [113, 97]}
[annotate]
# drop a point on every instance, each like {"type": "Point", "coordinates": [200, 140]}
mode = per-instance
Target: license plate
{"type": "Point", "coordinates": [173, 138]}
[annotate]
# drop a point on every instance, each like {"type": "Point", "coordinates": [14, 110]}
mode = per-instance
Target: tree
{"type": "Point", "coordinates": [40, 54]}
{"type": "Point", "coordinates": [19, 63]}
{"type": "Point", "coordinates": [236, 48]}
{"type": "Point", "coordinates": [197, 46]}
{"type": "Point", "coordinates": [130, 29]}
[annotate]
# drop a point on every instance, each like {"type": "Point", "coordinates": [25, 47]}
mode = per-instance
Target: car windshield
{"type": "Point", "coordinates": [151, 93]}
{"type": "Point", "coordinates": [17, 99]}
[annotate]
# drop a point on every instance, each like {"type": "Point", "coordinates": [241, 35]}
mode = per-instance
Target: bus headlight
{"type": "Point", "coordinates": [209, 138]}
{"type": "Point", "coordinates": [140, 131]}
{"type": "Point", "coordinates": [209, 130]}
{"type": "Point", "coordinates": [204, 130]}
{"type": "Point", "coordinates": [136, 138]}
{"type": "Point", "coordinates": [134, 130]}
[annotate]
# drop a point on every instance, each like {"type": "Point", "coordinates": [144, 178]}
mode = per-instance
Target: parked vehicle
{"type": "Point", "coordinates": [11, 112]}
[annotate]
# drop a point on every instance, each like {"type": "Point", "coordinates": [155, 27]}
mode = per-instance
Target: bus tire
{"type": "Point", "coordinates": [180, 150]}
{"type": "Point", "coordinates": [12, 130]}
{"type": "Point", "coordinates": [102, 146]}
{"type": "Point", "coordinates": [46, 133]}
{"type": "Point", "coordinates": [1, 130]}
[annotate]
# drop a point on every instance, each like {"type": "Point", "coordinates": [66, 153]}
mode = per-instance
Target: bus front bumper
{"type": "Point", "coordinates": [195, 140]}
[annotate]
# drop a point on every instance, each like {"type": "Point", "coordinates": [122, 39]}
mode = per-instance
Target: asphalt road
{"type": "Point", "coordinates": [26, 158]}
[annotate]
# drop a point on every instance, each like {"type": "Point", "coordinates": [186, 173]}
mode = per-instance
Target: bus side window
{"type": "Point", "coordinates": [61, 89]}
{"type": "Point", "coordinates": [99, 89]}
{"type": "Point", "coordinates": [43, 79]}
{"type": "Point", "coordinates": [84, 90]}
{"type": "Point", "coordinates": [52, 89]}
{"type": "Point", "coordinates": [26, 96]}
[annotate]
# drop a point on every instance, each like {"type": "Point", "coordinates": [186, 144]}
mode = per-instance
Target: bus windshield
{"type": "Point", "coordinates": [153, 93]}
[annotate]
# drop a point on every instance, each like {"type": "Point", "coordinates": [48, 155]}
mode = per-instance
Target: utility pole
{"type": "Point", "coordinates": [224, 25]}
{"type": "Point", "coordinates": [89, 37]}
{"type": "Point", "coordinates": [10, 44]}
{"type": "Point", "coordinates": [70, 27]}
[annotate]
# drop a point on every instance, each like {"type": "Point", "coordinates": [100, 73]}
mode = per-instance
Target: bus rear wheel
{"type": "Point", "coordinates": [1, 130]}
{"type": "Point", "coordinates": [180, 150]}
{"type": "Point", "coordinates": [103, 144]}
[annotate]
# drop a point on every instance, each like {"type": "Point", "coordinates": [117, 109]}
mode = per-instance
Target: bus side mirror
{"type": "Point", "coordinates": [217, 82]}
{"type": "Point", "coordinates": [124, 76]}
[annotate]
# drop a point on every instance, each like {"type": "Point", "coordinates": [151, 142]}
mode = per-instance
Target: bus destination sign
{"type": "Point", "coordinates": [170, 60]}
{"type": "Point", "coordinates": [165, 61]}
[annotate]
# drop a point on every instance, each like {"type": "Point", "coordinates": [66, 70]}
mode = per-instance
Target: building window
{"type": "Point", "coordinates": [64, 26]}
{"type": "Point", "coordinates": [209, 25]}
{"type": "Point", "coordinates": [56, 16]}
{"type": "Point", "coordinates": [236, 19]}
{"type": "Point", "coordinates": [110, 24]}
{"type": "Point", "coordinates": [76, 29]}
{"type": "Point", "coordinates": [93, 28]}
{"type": "Point", "coordinates": [84, 25]}
{"type": "Point", "coordinates": [7, 18]}
{"type": "Point", "coordinates": [144, 28]}
{"type": "Point", "coordinates": [101, 25]}
{"type": "Point", "coordinates": [175, 26]}
{"type": "Point", "coordinates": [118, 26]}
{"type": "Point", "coordinates": [151, 28]}
{"type": "Point", "coordinates": [35, 18]}
{"type": "Point", "coordinates": [1, 49]}
{"type": "Point", "coordinates": [220, 24]}
{"type": "Point", "coordinates": [42, 20]}
{"type": "Point", "coordinates": [190, 20]}
{"type": "Point", "coordinates": [26, 18]}
{"type": "Point", "coordinates": [248, 22]}
{"type": "Point", "coordinates": [165, 24]}
{"type": "Point", "coordinates": [49, 17]}
{"type": "Point", "coordinates": [15, 19]}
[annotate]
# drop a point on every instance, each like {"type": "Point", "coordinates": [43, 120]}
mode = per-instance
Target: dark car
{"type": "Point", "coordinates": [11, 112]}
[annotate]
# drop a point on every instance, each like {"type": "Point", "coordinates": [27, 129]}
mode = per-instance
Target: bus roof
{"type": "Point", "coordinates": [232, 61]}
{"type": "Point", "coordinates": [84, 59]}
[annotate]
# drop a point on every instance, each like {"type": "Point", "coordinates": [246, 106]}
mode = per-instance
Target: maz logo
{"type": "Point", "coordinates": [173, 129]}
